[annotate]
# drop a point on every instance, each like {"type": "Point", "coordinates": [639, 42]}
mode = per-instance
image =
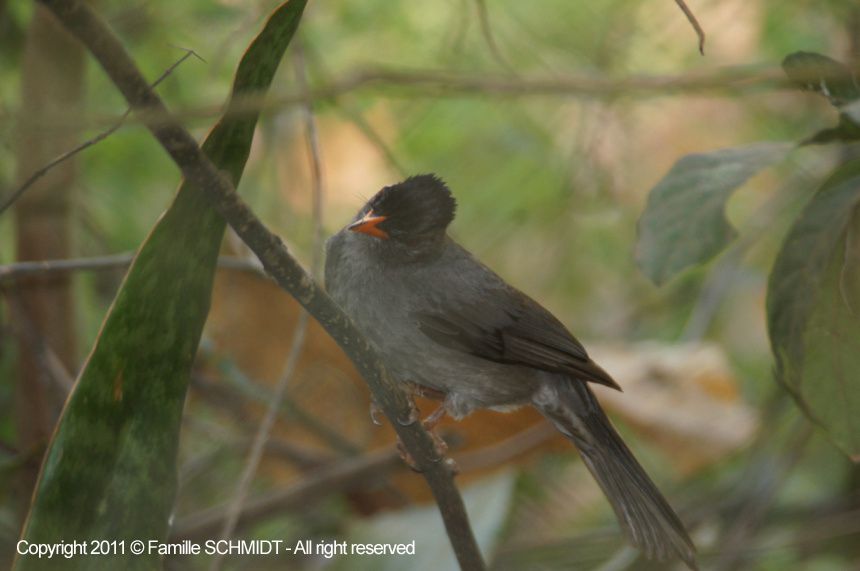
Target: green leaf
{"type": "Point", "coordinates": [110, 469]}
{"type": "Point", "coordinates": [813, 308]}
{"type": "Point", "coordinates": [684, 222]}
{"type": "Point", "coordinates": [837, 83]}
{"type": "Point", "coordinates": [826, 76]}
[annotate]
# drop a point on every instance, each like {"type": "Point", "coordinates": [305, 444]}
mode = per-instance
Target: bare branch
{"type": "Point", "coordinates": [352, 473]}
{"type": "Point", "coordinates": [489, 39]}
{"type": "Point", "coordinates": [344, 475]}
{"type": "Point", "coordinates": [230, 388]}
{"type": "Point", "coordinates": [771, 474]}
{"type": "Point", "coordinates": [11, 273]}
{"type": "Point", "coordinates": [313, 143]}
{"type": "Point", "coordinates": [700, 33]}
{"type": "Point", "coordinates": [234, 508]}
{"type": "Point", "coordinates": [49, 362]}
{"type": "Point", "coordinates": [84, 24]}
{"type": "Point", "coordinates": [19, 192]}
{"type": "Point", "coordinates": [352, 114]}
{"type": "Point", "coordinates": [392, 82]}
{"type": "Point", "coordinates": [396, 82]}
{"type": "Point", "coordinates": [506, 450]}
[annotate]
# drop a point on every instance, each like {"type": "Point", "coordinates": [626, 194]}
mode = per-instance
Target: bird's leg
{"type": "Point", "coordinates": [435, 417]}
{"type": "Point", "coordinates": [429, 423]}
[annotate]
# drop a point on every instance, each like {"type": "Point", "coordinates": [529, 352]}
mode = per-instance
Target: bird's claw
{"type": "Point", "coordinates": [414, 415]}
{"type": "Point", "coordinates": [374, 412]}
{"type": "Point", "coordinates": [440, 448]}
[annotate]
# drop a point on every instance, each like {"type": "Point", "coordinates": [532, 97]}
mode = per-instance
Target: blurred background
{"type": "Point", "coordinates": [550, 121]}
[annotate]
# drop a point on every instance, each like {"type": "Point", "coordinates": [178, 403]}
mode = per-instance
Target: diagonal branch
{"type": "Point", "coordinates": [84, 24]}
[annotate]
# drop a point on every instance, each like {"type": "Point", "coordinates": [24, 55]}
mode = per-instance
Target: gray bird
{"type": "Point", "coordinates": [444, 322]}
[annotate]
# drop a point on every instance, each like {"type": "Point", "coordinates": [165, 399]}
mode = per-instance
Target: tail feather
{"type": "Point", "coordinates": [645, 516]}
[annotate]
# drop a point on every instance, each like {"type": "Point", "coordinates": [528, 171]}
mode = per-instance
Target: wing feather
{"type": "Point", "coordinates": [523, 333]}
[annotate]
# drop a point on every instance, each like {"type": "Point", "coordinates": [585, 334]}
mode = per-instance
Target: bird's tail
{"type": "Point", "coordinates": [645, 516]}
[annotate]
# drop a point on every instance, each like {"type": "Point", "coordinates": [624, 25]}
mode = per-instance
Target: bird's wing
{"type": "Point", "coordinates": [518, 333]}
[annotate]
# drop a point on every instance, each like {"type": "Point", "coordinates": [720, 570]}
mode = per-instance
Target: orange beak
{"type": "Point", "coordinates": [368, 225]}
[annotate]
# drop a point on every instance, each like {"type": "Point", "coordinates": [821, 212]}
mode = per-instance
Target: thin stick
{"type": "Point", "coordinates": [350, 473]}
{"type": "Point", "coordinates": [11, 273]}
{"type": "Point", "coordinates": [19, 192]}
{"type": "Point", "coordinates": [50, 363]}
{"type": "Point", "coordinates": [693, 22]}
{"type": "Point", "coordinates": [489, 39]}
{"type": "Point", "coordinates": [320, 483]}
{"type": "Point", "coordinates": [313, 144]}
{"type": "Point", "coordinates": [357, 117]}
{"type": "Point", "coordinates": [396, 82]}
{"type": "Point", "coordinates": [234, 509]}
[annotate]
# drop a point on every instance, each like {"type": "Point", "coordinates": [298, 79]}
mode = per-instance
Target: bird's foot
{"type": "Point", "coordinates": [411, 418]}
{"type": "Point", "coordinates": [440, 447]}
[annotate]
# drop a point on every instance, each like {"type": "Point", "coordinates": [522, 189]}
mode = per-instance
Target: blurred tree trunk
{"type": "Point", "coordinates": [51, 93]}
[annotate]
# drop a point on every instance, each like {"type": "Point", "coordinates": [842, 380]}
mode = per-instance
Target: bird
{"type": "Point", "coordinates": [446, 324]}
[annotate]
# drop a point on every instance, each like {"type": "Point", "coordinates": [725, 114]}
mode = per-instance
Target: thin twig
{"type": "Point", "coordinates": [48, 360]}
{"type": "Point", "coordinates": [357, 117]}
{"type": "Point", "coordinates": [746, 523]}
{"type": "Point", "coordinates": [344, 475]}
{"type": "Point", "coordinates": [693, 22]}
{"type": "Point", "coordinates": [373, 136]}
{"type": "Point", "coordinates": [721, 276]}
{"type": "Point", "coordinates": [340, 475]}
{"type": "Point", "coordinates": [19, 192]}
{"type": "Point", "coordinates": [489, 39]}
{"type": "Point", "coordinates": [350, 473]}
{"type": "Point", "coordinates": [501, 452]}
{"type": "Point", "coordinates": [11, 273]}
{"type": "Point", "coordinates": [80, 19]}
{"type": "Point", "coordinates": [261, 438]}
{"type": "Point", "coordinates": [238, 385]}
{"type": "Point", "coordinates": [234, 508]}
{"type": "Point", "coordinates": [395, 82]}
{"type": "Point", "coordinates": [441, 83]}
{"type": "Point", "coordinates": [313, 144]}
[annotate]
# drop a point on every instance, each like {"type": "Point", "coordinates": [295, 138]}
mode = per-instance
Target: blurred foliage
{"type": "Point", "coordinates": [550, 189]}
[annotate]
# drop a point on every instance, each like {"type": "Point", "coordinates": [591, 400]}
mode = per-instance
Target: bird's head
{"type": "Point", "coordinates": [413, 213]}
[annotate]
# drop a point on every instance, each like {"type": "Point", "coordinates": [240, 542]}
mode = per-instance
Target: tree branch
{"type": "Point", "coordinates": [84, 24]}
{"type": "Point", "coordinates": [429, 83]}
{"type": "Point", "coordinates": [343, 475]}
{"type": "Point", "coordinates": [11, 273]}
{"type": "Point", "coordinates": [700, 33]}
{"type": "Point", "coordinates": [489, 38]}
